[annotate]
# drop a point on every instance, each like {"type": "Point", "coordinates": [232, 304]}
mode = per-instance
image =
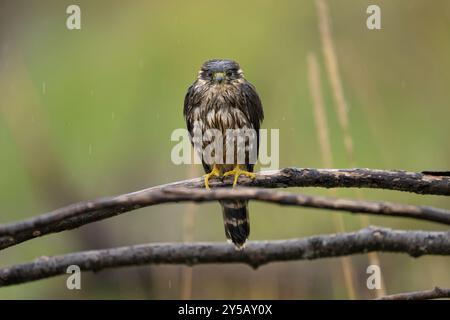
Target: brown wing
{"type": "Point", "coordinates": [253, 109]}
{"type": "Point", "coordinates": [188, 107]}
{"type": "Point", "coordinates": [192, 100]}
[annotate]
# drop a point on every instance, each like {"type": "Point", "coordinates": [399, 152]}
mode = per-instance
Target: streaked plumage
{"type": "Point", "coordinates": [221, 98]}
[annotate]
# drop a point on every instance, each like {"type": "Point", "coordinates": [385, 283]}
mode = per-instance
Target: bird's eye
{"type": "Point", "coordinates": [209, 74]}
{"type": "Point", "coordinates": [229, 73]}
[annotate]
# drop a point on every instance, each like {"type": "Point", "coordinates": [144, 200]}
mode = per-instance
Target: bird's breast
{"type": "Point", "coordinates": [222, 110]}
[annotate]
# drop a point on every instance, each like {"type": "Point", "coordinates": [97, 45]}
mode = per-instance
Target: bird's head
{"type": "Point", "coordinates": [220, 71]}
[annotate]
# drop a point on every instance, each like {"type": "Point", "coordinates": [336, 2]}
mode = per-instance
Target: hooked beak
{"type": "Point", "coordinates": [219, 76]}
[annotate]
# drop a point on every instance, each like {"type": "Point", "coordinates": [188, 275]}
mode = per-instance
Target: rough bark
{"type": "Point", "coordinates": [83, 213]}
{"type": "Point", "coordinates": [256, 253]}
{"type": "Point", "coordinates": [436, 293]}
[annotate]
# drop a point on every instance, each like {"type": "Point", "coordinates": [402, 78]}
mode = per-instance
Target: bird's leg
{"type": "Point", "coordinates": [236, 172]}
{"type": "Point", "coordinates": [215, 172]}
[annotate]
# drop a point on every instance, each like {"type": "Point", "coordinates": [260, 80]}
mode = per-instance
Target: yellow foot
{"type": "Point", "coordinates": [214, 173]}
{"type": "Point", "coordinates": [236, 172]}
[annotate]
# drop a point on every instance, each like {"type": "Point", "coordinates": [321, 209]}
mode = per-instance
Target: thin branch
{"type": "Point", "coordinates": [83, 213]}
{"type": "Point", "coordinates": [255, 254]}
{"type": "Point", "coordinates": [436, 293]}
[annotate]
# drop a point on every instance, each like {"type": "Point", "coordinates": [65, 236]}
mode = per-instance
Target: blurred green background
{"type": "Point", "coordinates": [89, 113]}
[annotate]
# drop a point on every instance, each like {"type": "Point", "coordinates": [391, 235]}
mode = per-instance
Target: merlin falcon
{"type": "Point", "coordinates": [222, 99]}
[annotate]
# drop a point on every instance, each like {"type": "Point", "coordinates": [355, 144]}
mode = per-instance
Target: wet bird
{"type": "Point", "coordinates": [222, 99]}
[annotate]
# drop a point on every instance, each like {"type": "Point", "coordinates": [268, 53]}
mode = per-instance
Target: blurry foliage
{"type": "Point", "coordinates": [106, 98]}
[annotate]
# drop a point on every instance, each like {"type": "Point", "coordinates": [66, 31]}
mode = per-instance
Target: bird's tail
{"type": "Point", "coordinates": [236, 221]}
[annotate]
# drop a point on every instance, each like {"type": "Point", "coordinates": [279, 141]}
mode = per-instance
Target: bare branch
{"type": "Point", "coordinates": [334, 178]}
{"type": "Point", "coordinates": [319, 202]}
{"type": "Point", "coordinates": [436, 293]}
{"type": "Point", "coordinates": [79, 214]}
{"type": "Point", "coordinates": [256, 253]}
{"type": "Point", "coordinates": [82, 213]}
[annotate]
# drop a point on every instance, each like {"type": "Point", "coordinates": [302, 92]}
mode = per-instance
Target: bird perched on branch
{"type": "Point", "coordinates": [221, 99]}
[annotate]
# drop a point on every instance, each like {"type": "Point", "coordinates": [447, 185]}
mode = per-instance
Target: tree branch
{"type": "Point", "coordinates": [436, 293]}
{"type": "Point", "coordinates": [256, 253]}
{"type": "Point", "coordinates": [82, 213]}
{"type": "Point", "coordinates": [431, 183]}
